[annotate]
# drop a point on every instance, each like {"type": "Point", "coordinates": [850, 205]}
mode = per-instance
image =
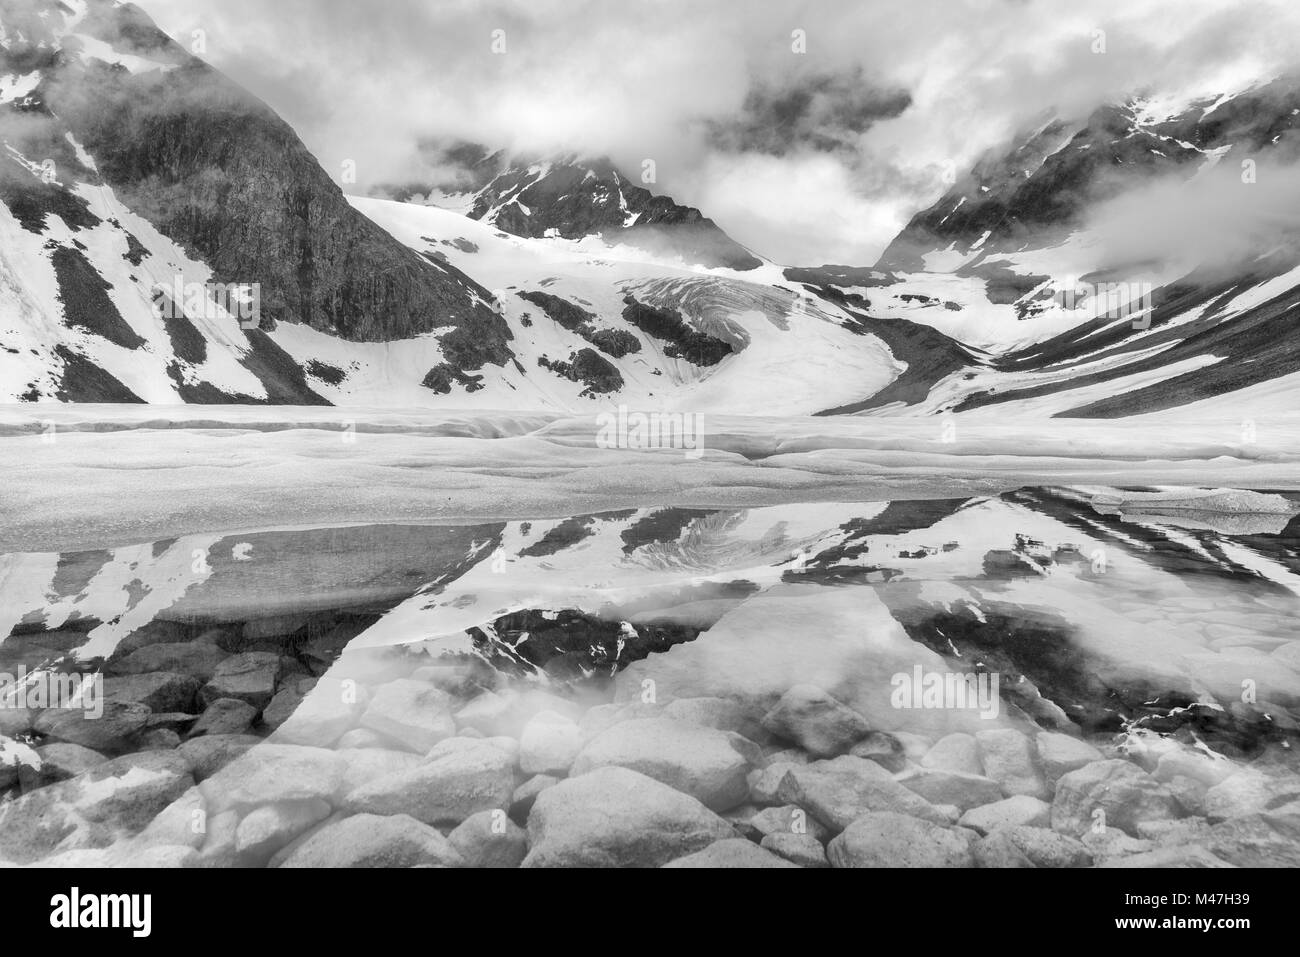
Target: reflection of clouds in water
{"type": "Point", "coordinates": [1146, 660]}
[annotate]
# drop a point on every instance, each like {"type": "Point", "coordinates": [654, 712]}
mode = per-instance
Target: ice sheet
{"type": "Point", "coordinates": [225, 469]}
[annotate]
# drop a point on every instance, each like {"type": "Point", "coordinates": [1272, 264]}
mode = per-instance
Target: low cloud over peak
{"type": "Point", "coordinates": [810, 156]}
{"type": "Point", "coordinates": [825, 112]}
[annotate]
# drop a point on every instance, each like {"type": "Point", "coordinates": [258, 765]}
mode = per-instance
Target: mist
{"type": "Point", "coordinates": [803, 156]}
{"type": "Point", "coordinates": [1235, 211]}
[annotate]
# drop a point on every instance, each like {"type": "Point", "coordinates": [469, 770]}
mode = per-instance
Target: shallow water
{"type": "Point", "coordinates": [1143, 625]}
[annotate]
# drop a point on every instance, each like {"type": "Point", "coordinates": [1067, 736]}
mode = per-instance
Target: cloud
{"type": "Point", "coordinates": [885, 97]}
{"type": "Point", "coordinates": [810, 195]}
{"type": "Point", "coordinates": [821, 112]}
{"type": "Point", "coordinates": [1230, 213]}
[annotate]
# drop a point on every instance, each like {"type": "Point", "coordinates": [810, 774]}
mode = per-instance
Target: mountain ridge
{"type": "Point", "coordinates": [571, 197]}
{"type": "Point", "coordinates": [130, 168]}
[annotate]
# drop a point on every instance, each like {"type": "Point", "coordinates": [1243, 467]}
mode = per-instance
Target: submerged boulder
{"type": "Point", "coordinates": [701, 762]}
{"type": "Point", "coordinates": [1113, 793]}
{"type": "Point", "coordinates": [886, 839]}
{"type": "Point", "coordinates": [809, 717]}
{"type": "Point", "coordinates": [616, 817]}
{"type": "Point", "coordinates": [370, 840]}
{"type": "Point", "coordinates": [839, 791]}
{"type": "Point", "coordinates": [459, 778]}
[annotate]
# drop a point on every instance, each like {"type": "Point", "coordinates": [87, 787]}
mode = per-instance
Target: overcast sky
{"type": "Point", "coordinates": [807, 157]}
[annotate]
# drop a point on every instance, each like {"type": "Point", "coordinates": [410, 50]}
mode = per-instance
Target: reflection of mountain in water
{"type": "Point", "coordinates": [636, 582]}
{"type": "Point", "coordinates": [1236, 512]}
{"type": "Point", "coordinates": [1097, 623]}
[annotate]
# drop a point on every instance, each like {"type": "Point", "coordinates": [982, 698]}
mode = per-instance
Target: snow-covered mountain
{"type": "Point", "coordinates": [165, 237]}
{"type": "Point", "coordinates": [593, 326]}
{"type": "Point", "coordinates": [1004, 577]}
{"type": "Point", "coordinates": [1038, 191]}
{"type": "Point", "coordinates": [134, 177]}
{"type": "Point", "coordinates": [571, 199]}
{"type": "Point", "coordinates": [568, 197]}
{"type": "Point", "coordinates": [1029, 258]}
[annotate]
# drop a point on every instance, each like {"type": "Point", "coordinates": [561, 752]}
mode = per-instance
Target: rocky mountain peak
{"type": "Point", "coordinates": [568, 196]}
{"type": "Point", "coordinates": [1033, 192]}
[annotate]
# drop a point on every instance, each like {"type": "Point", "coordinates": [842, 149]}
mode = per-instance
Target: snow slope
{"type": "Point", "coordinates": [756, 312]}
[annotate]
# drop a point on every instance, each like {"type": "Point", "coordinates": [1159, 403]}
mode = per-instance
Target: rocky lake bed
{"type": "Point", "coordinates": [275, 744]}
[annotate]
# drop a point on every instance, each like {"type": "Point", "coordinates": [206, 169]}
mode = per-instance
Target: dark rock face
{"type": "Point", "coordinates": [589, 367]}
{"type": "Point", "coordinates": [215, 170]}
{"type": "Point", "coordinates": [569, 316]}
{"type": "Point", "coordinates": [84, 295]}
{"type": "Point", "coordinates": [284, 380]}
{"type": "Point", "coordinates": [615, 342]}
{"type": "Point", "coordinates": [83, 381]}
{"type": "Point", "coordinates": [187, 342]}
{"type": "Point", "coordinates": [325, 372]}
{"type": "Point", "coordinates": [562, 311]}
{"type": "Point", "coordinates": [571, 644]}
{"type": "Point", "coordinates": [681, 340]}
{"type": "Point", "coordinates": [443, 376]}
{"type": "Point", "coordinates": [930, 355]}
{"type": "Point", "coordinates": [220, 174]}
{"type": "Point", "coordinates": [612, 342]}
{"type": "Point", "coordinates": [32, 201]}
{"type": "Point", "coordinates": [576, 199]}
